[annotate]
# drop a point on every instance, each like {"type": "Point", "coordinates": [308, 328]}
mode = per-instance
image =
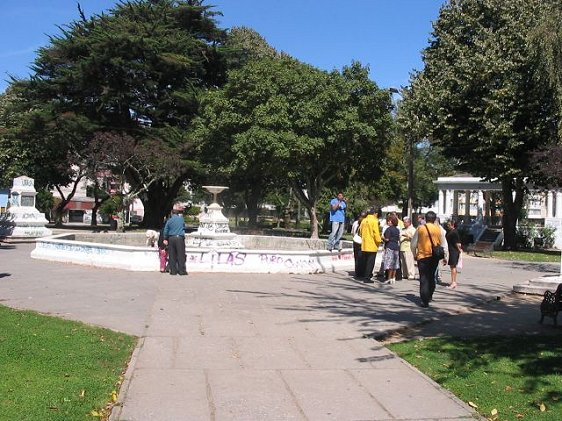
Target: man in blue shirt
{"type": "Point", "coordinates": [337, 219]}
{"type": "Point", "coordinates": [174, 238]}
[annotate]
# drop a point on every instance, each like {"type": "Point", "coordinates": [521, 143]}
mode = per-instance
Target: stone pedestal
{"type": "Point", "coordinates": [23, 220]}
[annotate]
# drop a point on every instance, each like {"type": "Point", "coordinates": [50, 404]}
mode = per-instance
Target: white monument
{"type": "Point", "coordinates": [213, 230]}
{"type": "Point", "coordinates": [22, 219]}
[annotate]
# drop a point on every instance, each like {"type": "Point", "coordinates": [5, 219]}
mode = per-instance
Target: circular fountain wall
{"type": "Point", "coordinates": [213, 248]}
{"type": "Point", "coordinates": [256, 254]}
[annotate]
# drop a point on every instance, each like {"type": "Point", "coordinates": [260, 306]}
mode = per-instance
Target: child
{"type": "Point", "coordinates": [162, 253]}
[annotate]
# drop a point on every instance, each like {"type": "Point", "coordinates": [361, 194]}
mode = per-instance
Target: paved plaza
{"type": "Point", "coordinates": [273, 347]}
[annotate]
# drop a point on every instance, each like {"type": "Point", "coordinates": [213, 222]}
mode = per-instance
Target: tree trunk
{"type": "Point", "coordinates": [252, 200]}
{"type": "Point", "coordinates": [59, 209]}
{"type": "Point", "coordinates": [158, 201]}
{"type": "Point", "coordinates": [309, 201]}
{"type": "Point", "coordinates": [59, 212]}
{"type": "Point", "coordinates": [313, 223]}
{"type": "Point", "coordinates": [97, 203]}
{"type": "Point", "coordinates": [511, 209]}
{"type": "Point", "coordinates": [94, 221]}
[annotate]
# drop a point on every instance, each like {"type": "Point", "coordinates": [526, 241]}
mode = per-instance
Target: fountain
{"type": "Point", "coordinates": [213, 230]}
{"type": "Point", "coordinates": [213, 248]}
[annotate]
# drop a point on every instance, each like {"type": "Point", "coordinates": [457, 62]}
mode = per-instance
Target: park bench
{"type": "Point", "coordinates": [481, 248]}
{"type": "Point", "coordinates": [552, 304]}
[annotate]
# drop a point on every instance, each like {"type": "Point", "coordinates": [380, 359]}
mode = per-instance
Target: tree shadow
{"type": "Point", "coordinates": [538, 359]}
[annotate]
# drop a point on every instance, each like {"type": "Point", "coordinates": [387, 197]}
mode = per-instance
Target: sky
{"type": "Point", "coordinates": [386, 35]}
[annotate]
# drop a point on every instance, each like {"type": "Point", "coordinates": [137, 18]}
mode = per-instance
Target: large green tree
{"type": "Point", "coordinates": [138, 69]}
{"type": "Point", "coordinates": [37, 142]}
{"type": "Point", "coordinates": [479, 96]}
{"type": "Point", "coordinates": [284, 121]}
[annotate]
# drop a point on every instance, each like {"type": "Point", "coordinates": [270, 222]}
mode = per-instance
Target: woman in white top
{"type": "Point", "coordinates": [357, 244]}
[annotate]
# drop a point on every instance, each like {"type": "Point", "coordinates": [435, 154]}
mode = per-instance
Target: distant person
{"type": "Point", "coordinates": [383, 274]}
{"type": "Point", "coordinates": [357, 240]}
{"type": "Point", "coordinates": [337, 219]}
{"type": "Point", "coordinates": [391, 258]}
{"type": "Point", "coordinates": [421, 220]}
{"type": "Point", "coordinates": [174, 238]}
{"type": "Point", "coordinates": [162, 252]}
{"type": "Point", "coordinates": [445, 246]}
{"type": "Point", "coordinates": [407, 263]}
{"type": "Point", "coordinates": [426, 236]}
{"type": "Point", "coordinates": [455, 250]}
{"type": "Point", "coordinates": [151, 238]}
{"type": "Point", "coordinates": [371, 240]}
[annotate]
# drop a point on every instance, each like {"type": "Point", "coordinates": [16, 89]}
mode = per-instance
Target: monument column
{"type": "Point", "coordinates": [481, 201]}
{"type": "Point", "coordinates": [441, 202]}
{"type": "Point", "coordinates": [558, 208]}
{"type": "Point", "coordinates": [549, 205]}
{"type": "Point", "coordinates": [455, 203]}
{"type": "Point", "coordinates": [449, 202]}
{"type": "Point", "coordinates": [466, 205]}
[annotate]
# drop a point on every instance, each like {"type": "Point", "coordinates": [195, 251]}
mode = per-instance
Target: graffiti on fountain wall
{"type": "Point", "coordinates": [271, 262]}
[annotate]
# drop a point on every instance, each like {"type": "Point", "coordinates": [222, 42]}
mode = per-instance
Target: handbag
{"type": "Point", "coordinates": [438, 252]}
{"type": "Point", "coordinates": [357, 237]}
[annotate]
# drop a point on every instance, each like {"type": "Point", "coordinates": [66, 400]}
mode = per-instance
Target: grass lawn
{"type": "Point", "coordinates": [528, 256]}
{"type": "Point", "coordinates": [54, 369]}
{"type": "Point", "coordinates": [504, 378]}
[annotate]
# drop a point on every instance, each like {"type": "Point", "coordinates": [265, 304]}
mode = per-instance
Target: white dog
{"type": "Point", "coordinates": [152, 238]}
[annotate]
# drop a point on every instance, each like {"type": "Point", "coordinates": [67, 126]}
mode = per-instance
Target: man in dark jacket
{"type": "Point", "coordinates": [174, 238]}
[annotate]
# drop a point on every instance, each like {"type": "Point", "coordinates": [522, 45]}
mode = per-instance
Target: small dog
{"type": "Point", "coordinates": [152, 238]}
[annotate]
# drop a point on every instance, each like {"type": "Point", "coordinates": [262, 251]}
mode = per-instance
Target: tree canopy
{"type": "Point", "coordinates": [479, 96]}
{"type": "Point", "coordinates": [277, 119]}
{"type": "Point", "coordinates": [139, 70]}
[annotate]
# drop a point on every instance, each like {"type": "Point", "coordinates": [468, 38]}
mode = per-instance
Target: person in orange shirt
{"type": "Point", "coordinates": [427, 264]}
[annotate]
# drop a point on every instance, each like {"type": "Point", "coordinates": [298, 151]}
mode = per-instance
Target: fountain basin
{"type": "Point", "coordinates": [259, 254]}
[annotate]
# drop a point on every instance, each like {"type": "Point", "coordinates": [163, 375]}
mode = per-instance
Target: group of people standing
{"type": "Point", "coordinates": [404, 246]}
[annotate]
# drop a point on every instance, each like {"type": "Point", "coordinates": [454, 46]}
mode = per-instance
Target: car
{"type": "Point", "coordinates": [135, 219]}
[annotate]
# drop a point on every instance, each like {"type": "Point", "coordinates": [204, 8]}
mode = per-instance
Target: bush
{"type": "Point", "coordinates": [548, 235]}
{"type": "Point", "coordinates": [528, 233]}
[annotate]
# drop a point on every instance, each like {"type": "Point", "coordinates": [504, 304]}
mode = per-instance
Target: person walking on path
{"type": "Point", "coordinates": [174, 238]}
{"type": "Point", "coordinates": [357, 240]}
{"type": "Point", "coordinates": [337, 219]}
{"type": "Point", "coordinates": [391, 259]}
{"type": "Point", "coordinates": [427, 236]}
{"type": "Point", "coordinates": [370, 242]}
{"type": "Point", "coordinates": [455, 250]}
{"type": "Point", "coordinates": [406, 256]}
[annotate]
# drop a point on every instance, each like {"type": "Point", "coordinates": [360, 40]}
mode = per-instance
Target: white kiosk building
{"type": "Point", "coordinates": [472, 200]}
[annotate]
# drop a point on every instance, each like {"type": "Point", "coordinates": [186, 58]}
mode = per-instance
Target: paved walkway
{"type": "Point", "coordinates": [267, 347]}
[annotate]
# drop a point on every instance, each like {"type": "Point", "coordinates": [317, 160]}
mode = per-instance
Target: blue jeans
{"type": "Point", "coordinates": [335, 235]}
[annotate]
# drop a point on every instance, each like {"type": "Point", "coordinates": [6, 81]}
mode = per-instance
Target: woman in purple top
{"type": "Point", "coordinates": [391, 259]}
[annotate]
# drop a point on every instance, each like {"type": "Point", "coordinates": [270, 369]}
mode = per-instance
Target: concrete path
{"type": "Point", "coordinates": [263, 347]}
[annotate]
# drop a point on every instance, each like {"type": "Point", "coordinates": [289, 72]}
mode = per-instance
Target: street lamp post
{"type": "Point", "coordinates": [410, 176]}
{"type": "Point", "coordinates": [410, 152]}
